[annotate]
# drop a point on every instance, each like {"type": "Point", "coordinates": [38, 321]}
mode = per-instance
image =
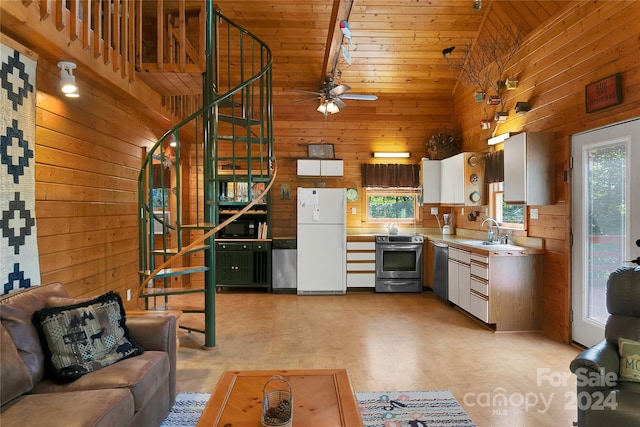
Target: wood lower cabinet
{"type": "Point", "coordinates": [504, 289]}
{"type": "Point", "coordinates": [243, 264]}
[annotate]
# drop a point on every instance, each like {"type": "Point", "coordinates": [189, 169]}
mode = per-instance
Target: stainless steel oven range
{"type": "Point", "coordinates": [399, 263]}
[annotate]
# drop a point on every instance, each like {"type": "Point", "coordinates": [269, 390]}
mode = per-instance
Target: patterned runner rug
{"type": "Point", "coordinates": [411, 409]}
{"type": "Point", "coordinates": [378, 409]}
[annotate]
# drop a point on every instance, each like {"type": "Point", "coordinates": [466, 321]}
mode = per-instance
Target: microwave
{"type": "Point", "coordinates": [240, 228]}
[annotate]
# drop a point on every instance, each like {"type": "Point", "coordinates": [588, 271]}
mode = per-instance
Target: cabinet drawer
{"type": "Point", "coordinates": [480, 271]}
{"type": "Point", "coordinates": [479, 286]}
{"type": "Point", "coordinates": [361, 246]}
{"type": "Point", "coordinates": [233, 246]}
{"type": "Point", "coordinates": [361, 280]}
{"type": "Point", "coordinates": [460, 255]}
{"type": "Point", "coordinates": [480, 259]}
{"type": "Point", "coordinates": [479, 307]}
{"type": "Point", "coordinates": [361, 256]}
{"type": "Point", "coordinates": [361, 266]}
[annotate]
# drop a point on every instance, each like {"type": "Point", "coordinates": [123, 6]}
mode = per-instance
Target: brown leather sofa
{"type": "Point", "coordinates": [602, 398]}
{"type": "Point", "coordinates": [138, 391]}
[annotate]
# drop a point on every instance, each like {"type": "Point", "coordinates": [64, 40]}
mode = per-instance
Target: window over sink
{"type": "Point", "coordinates": [397, 205]}
{"type": "Point", "coordinates": [507, 215]}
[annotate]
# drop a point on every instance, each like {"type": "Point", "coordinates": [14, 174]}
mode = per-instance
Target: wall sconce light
{"type": "Point", "coordinates": [395, 155]}
{"type": "Point", "coordinates": [67, 79]}
{"type": "Point", "coordinates": [477, 4]}
{"type": "Point", "coordinates": [328, 107]}
{"type": "Point", "coordinates": [522, 107]}
{"type": "Point", "coordinates": [511, 84]}
{"type": "Point", "coordinates": [498, 139]}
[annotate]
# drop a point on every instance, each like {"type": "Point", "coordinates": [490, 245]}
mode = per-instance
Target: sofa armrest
{"type": "Point", "coordinates": [597, 366]}
{"type": "Point", "coordinates": [157, 333]}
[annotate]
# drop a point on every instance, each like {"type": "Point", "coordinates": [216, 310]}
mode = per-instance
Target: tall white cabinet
{"type": "Point", "coordinates": [529, 169]}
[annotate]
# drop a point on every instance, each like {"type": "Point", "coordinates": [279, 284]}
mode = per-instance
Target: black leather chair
{"type": "Point", "coordinates": [603, 399]}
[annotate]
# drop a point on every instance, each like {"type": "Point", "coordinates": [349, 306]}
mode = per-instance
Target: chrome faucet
{"type": "Point", "coordinates": [490, 235]}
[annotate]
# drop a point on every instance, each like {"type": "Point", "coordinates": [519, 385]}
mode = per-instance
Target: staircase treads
{"type": "Point", "coordinates": [202, 226]}
{"type": "Point", "coordinates": [174, 307]}
{"type": "Point", "coordinates": [239, 121]}
{"type": "Point", "coordinates": [174, 251]}
{"type": "Point", "coordinates": [243, 139]}
{"type": "Point", "coordinates": [178, 271]}
{"type": "Point", "coordinates": [158, 292]}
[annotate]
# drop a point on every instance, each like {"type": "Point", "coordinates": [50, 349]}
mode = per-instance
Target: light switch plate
{"type": "Point", "coordinates": [533, 213]}
{"type": "Point", "coordinates": [434, 211]}
{"type": "Point", "coordinates": [353, 211]}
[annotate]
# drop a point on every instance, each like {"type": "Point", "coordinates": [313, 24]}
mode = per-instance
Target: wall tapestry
{"type": "Point", "coordinates": [19, 263]}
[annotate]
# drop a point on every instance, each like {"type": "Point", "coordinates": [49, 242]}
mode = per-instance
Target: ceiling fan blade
{"type": "Point", "coordinates": [339, 102]}
{"type": "Point", "coordinates": [306, 91]}
{"type": "Point", "coordinates": [359, 97]}
{"type": "Point", "coordinates": [339, 90]}
{"type": "Point", "coordinates": [305, 100]}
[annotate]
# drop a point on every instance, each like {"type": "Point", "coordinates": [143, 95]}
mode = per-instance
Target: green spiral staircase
{"type": "Point", "coordinates": [227, 143]}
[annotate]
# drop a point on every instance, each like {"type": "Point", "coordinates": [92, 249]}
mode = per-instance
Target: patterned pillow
{"type": "Point", "coordinates": [629, 359]}
{"type": "Point", "coordinates": [83, 337]}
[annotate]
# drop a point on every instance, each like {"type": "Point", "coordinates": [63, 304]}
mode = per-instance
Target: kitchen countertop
{"type": "Point", "coordinates": [465, 239]}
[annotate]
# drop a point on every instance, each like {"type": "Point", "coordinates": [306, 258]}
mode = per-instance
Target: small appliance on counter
{"type": "Point", "coordinates": [447, 226]}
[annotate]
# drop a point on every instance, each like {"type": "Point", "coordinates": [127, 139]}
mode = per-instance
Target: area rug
{"type": "Point", "coordinates": [411, 409]}
{"type": "Point", "coordinates": [378, 409]}
{"type": "Point", "coordinates": [187, 409]}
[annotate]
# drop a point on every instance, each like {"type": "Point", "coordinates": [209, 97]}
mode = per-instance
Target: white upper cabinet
{"type": "Point", "coordinates": [430, 181]}
{"type": "Point", "coordinates": [452, 180]}
{"type": "Point", "coordinates": [317, 167]}
{"type": "Point", "coordinates": [529, 169]}
{"type": "Point", "coordinates": [457, 180]}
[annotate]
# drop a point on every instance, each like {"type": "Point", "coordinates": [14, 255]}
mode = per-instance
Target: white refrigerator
{"type": "Point", "coordinates": [322, 241]}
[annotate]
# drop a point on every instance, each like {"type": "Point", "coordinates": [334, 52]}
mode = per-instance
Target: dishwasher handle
{"type": "Point", "coordinates": [440, 245]}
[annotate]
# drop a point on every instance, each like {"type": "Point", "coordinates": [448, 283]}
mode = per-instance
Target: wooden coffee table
{"type": "Point", "coordinates": [321, 398]}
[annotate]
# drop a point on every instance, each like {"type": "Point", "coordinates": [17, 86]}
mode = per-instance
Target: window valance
{"type": "Point", "coordinates": [494, 167]}
{"type": "Point", "coordinates": [390, 175]}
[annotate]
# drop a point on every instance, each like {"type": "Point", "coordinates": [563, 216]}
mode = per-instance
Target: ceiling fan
{"type": "Point", "coordinates": [331, 95]}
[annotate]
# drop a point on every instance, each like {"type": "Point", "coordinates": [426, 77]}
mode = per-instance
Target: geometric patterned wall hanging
{"type": "Point", "coordinates": [19, 262]}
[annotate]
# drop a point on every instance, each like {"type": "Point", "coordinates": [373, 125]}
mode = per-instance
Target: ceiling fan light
{"type": "Point", "coordinates": [322, 108]}
{"type": "Point", "coordinates": [332, 107]}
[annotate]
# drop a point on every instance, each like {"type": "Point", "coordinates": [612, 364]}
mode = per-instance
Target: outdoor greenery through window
{"type": "Point", "coordinates": [392, 205]}
{"type": "Point", "coordinates": [506, 215]}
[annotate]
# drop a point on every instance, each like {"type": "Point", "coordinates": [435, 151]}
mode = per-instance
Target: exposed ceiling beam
{"type": "Point", "coordinates": [341, 10]}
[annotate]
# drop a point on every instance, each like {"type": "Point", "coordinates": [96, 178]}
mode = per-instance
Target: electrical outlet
{"type": "Point", "coordinates": [353, 211]}
{"type": "Point", "coordinates": [462, 213]}
{"type": "Point", "coordinates": [533, 213]}
{"type": "Point", "coordinates": [128, 294]}
{"type": "Point", "coordinates": [434, 211]}
{"type": "Point", "coordinates": [486, 211]}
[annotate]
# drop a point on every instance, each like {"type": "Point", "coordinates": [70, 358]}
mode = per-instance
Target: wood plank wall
{"type": "Point", "coordinates": [88, 156]}
{"type": "Point", "coordinates": [586, 42]}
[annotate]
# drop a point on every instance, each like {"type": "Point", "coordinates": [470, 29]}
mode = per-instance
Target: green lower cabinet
{"type": "Point", "coordinates": [243, 264]}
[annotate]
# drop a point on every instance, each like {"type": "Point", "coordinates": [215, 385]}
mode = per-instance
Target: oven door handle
{"type": "Point", "coordinates": [400, 247]}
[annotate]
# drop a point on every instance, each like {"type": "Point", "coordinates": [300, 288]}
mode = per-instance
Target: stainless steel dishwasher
{"type": "Point", "coordinates": [283, 263]}
{"type": "Point", "coordinates": [441, 270]}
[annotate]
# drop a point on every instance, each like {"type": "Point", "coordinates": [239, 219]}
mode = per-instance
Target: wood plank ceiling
{"type": "Point", "coordinates": [396, 48]}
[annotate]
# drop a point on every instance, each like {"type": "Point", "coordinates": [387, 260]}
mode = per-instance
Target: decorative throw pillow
{"type": "Point", "coordinates": [83, 337]}
{"type": "Point", "coordinates": [629, 359]}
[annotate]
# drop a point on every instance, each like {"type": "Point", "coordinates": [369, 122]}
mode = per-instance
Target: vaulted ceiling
{"type": "Point", "coordinates": [396, 46]}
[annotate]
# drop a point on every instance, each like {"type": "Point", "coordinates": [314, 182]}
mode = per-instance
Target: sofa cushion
{"type": "Point", "coordinates": [16, 311]}
{"type": "Point", "coordinates": [629, 359]}
{"type": "Point", "coordinates": [95, 408]}
{"type": "Point", "coordinates": [15, 377]}
{"type": "Point", "coordinates": [83, 337]}
{"type": "Point", "coordinates": [142, 375]}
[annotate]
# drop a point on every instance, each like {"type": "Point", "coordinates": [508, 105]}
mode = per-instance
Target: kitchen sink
{"type": "Point", "coordinates": [492, 245]}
